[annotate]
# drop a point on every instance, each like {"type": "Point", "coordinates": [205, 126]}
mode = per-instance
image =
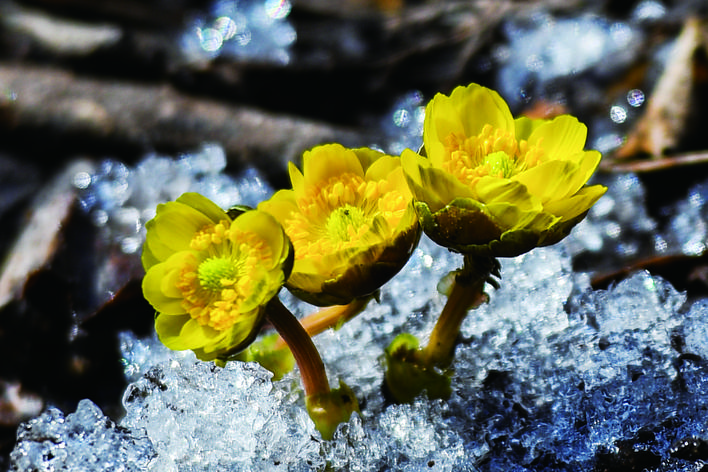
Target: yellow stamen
{"type": "Point", "coordinates": [210, 235]}
{"type": "Point", "coordinates": [493, 152]}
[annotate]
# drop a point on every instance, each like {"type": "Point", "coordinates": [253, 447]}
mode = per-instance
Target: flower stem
{"type": "Point", "coordinates": [410, 370]}
{"type": "Point", "coordinates": [314, 377]}
{"type": "Point", "coordinates": [327, 408]}
{"type": "Point", "coordinates": [466, 292]}
{"type": "Point", "coordinates": [325, 318]}
{"type": "Point", "coordinates": [441, 347]}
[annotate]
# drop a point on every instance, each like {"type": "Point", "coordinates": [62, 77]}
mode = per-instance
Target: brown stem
{"type": "Point", "coordinates": [441, 346]}
{"type": "Point", "coordinates": [467, 292]}
{"type": "Point", "coordinates": [326, 318]}
{"type": "Point", "coordinates": [314, 377]}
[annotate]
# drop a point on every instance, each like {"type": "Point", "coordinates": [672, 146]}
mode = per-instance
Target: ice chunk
{"type": "Point", "coordinates": [85, 440]}
{"type": "Point", "coordinates": [202, 418]}
{"type": "Point", "coordinates": [639, 302]}
{"type": "Point", "coordinates": [565, 394]}
{"type": "Point", "coordinates": [542, 48]}
{"type": "Point", "coordinates": [688, 229]}
{"type": "Point", "coordinates": [696, 329]}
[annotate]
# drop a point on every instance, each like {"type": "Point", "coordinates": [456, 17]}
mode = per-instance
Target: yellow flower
{"type": "Point", "coordinates": [494, 185]}
{"type": "Point", "coordinates": [351, 222]}
{"type": "Point", "coordinates": [209, 277]}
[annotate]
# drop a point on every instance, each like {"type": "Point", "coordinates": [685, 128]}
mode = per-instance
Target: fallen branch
{"type": "Point", "coordinates": [156, 117]}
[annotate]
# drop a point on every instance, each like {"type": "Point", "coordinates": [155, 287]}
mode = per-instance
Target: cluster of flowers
{"type": "Point", "coordinates": [484, 184]}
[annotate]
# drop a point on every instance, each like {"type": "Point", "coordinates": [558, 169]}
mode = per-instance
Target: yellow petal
{"type": "Point", "coordinates": [411, 163]}
{"type": "Point", "coordinates": [281, 205]}
{"type": "Point", "coordinates": [296, 179]}
{"type": "Point", "coordinates": [495, 190]}
{"type": "Point", "coordinates": [193, 336]}
{"type": "Point", "coordinates": [154, 291]}
{"type": "Point", "coordinates": [267, 228]}
{"type": "Point", "coordinates": [382, 167]}
{"type": "Point", "coordinates": [169, 327]}
{"type": "Point", "coordinates": [577, 204]}
{"type": "Point", "coordinates": [525, 126]}
{"type": "Point", "coordinates": [241, 333]}
{"type": "Point", "coordinates": [437, 153]}
{"type": "Point", "coordinates": [559, 138]}
{"type": "Point", "coordinates": [202, 204]}
{"type": "Point", "coordinates": [307, 286]}
{"type": "Point", "coordinates": [397, 180]}
{"type": "Point", "coordinates": [433, 186]}
{"type": "Point", "coordinates": [479, 106]}
{"type": "Point", "coordinates": [367, 157]}
{"type": "Point", "coordinates": [441, 120]}
{"type": "Point", "coordinates": [147, 258]}
{"type": "Point", "coordinates": [173, 228]}
{"type": "Point", "coordinates": [327, 161]}
{"type": "Point", "coordinates": [557, 180]}
{"type": "Point", "coordinates": [408, 220]}
{"type": "Point", "coordinates": [514, 219]}
{"type": "Point", "coordinates": [261, 293]}
{"type": "Point", "coordinates": [551, 180]}
{"type": "Point", "coordinates": [168, 286]}
{"type": "Point", "coordinates": [466, 111]}
{"type": "Point", "coordinates": [587, 165]}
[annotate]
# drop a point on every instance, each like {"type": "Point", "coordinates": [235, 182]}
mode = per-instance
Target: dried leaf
{"type": "Point", "coordinates": [664, 121]}
{"type": "Point", "coordinates": [41, 235]}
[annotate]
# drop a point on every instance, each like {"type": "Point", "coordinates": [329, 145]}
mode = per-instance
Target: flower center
{"type": "Point", "coordinates": [340, 214]}
{"type": "Point", "coordinates": [216, 272]}
{"type": "Point", "coordinates": [223, 275]}
{"type": "Point", "coordinates": [493, 152]}
{"type": "Point", "coordinates": [344, 222]}
{"type": "Point", "coordinates": [499, 164]}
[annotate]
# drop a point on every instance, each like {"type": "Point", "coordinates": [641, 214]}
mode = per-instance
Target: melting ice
{"type": "Point", "coordinates": [550, 375]}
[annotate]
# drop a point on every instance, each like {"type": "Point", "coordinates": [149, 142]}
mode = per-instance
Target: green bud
{"type": "Point", "coordinates": [330, 409]}
{"type": "Point", "coordinates": [407, 377]}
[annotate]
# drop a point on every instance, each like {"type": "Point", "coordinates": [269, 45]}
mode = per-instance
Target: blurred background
{"type": "Point", "coordinates": [107, 108]}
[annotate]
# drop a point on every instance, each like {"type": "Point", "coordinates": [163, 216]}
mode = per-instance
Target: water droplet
{"type": "Point", "coordinates": [130, 245]}
{"type": "Point", "coordinates": [618, 114]}
{"type": "Point", "coordinates": [635, 98]}
{"type": "Point", "coordinates": [243, 38]}
{"type": "Point", "coordinates": [648, 10]}
{"type": "Point", "coordinates": [210, 39]}
{"type": "Point", "coordinates": [277, 9]}
{"type": "Point", "coordinates": [82, 180]}
{"type": "Point", "coordinates": [401, 118]}
{"type": "Point", "coordinates": [226, 26]}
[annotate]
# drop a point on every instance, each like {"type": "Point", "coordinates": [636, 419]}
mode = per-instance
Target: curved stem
{"type": "Point", "coordinates": [314, 377]}
{"type": "Point", "coordinates": [325, 318]}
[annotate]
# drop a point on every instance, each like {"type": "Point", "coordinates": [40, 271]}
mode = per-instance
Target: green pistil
{"type": "Point", "coordinates": [499, 164]}
{"type": "Point", "coordinates": [215, 269]}
{"type": "Point", "coordinates": [342, 220]}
